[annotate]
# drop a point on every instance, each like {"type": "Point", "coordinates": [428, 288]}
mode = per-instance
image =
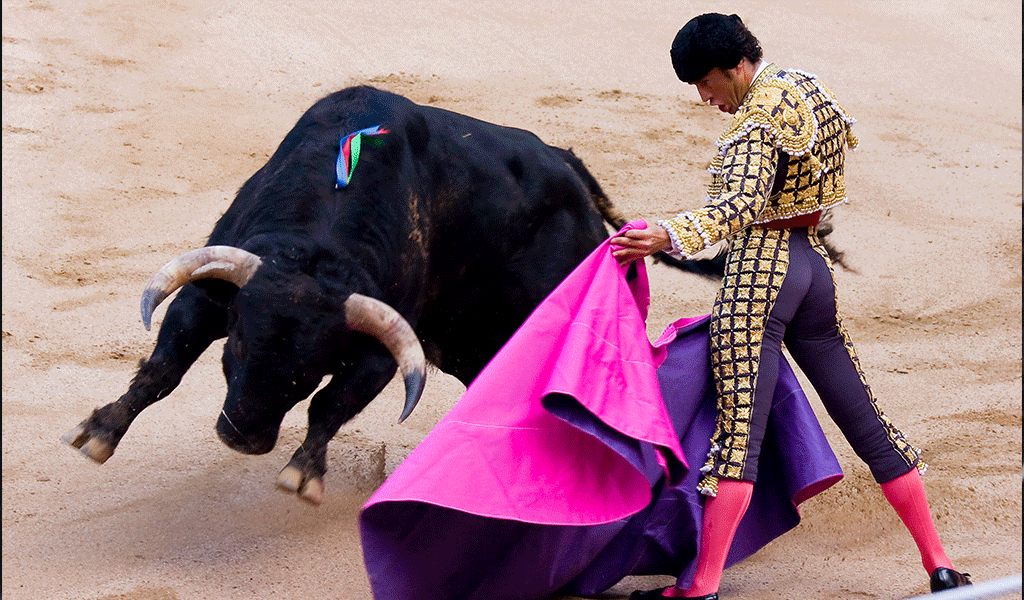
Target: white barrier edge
{"type": "Point", "coordinates": [988, 589]}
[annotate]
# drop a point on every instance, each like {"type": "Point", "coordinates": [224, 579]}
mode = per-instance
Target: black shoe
{"type": "Point", "coordinates": [656, 594]}
{"type": "Point", "coordinates": [947, 579]}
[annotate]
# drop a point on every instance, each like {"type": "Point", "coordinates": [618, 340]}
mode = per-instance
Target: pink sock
{"type": "Point", "coordinates": [906, 494]}
{"type": "Point", "coordinates": [722, 514]}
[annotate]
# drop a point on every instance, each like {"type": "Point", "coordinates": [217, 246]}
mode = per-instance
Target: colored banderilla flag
{"type": "Point", "coordinates": [348, 155]}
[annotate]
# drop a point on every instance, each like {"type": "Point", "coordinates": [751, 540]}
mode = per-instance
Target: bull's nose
{"type": "Point", "coordinates": [246, 440]}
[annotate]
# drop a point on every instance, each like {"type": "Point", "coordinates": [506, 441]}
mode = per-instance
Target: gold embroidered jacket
{"type": "Point", "coordinates": [789, 112]}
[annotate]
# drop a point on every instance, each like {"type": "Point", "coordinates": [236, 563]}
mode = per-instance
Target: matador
{"type": "Point", "coordinates": [779, 165]}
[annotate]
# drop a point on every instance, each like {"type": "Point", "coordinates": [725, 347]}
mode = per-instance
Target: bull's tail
{"type": "Point", "coordinates": [837, 256]}
{"type": "Point", "coordinates": [611, 215]}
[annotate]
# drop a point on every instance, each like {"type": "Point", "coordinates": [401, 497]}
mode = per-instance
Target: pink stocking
{"type": "Point", "coordinates": [906, 495]}
{"type": "Point", "coordinates": [722, 514]}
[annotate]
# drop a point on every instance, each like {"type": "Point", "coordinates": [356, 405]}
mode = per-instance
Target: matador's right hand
{"type": "Point", "coordinates": [638, 243]}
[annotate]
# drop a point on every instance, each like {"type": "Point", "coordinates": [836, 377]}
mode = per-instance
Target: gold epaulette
{"type": "Point", "coordinates": [778, 107]}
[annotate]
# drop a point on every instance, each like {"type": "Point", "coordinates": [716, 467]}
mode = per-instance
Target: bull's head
{"type": "Point", "coordinates": [274, 350]}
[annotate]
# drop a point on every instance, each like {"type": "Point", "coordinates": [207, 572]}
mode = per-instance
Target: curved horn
{"type": "Point", "coordinates": [219, 262]}
{"type": "Point", "coordinates": [373, 317]}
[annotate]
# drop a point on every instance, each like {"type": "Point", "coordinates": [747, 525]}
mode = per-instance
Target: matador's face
{"type": "Point", "coordinates": [724, 88]}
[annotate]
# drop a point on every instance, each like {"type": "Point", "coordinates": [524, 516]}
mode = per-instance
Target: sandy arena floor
{"type": "Point", "coordinates": [128, 127]}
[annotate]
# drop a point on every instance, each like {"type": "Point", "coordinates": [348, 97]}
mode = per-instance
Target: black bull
{"type": "Point", "coordinates": [449, 233]}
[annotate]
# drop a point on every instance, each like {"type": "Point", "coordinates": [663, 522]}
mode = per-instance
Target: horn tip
{"type": "Point", "coordinates": [415, 381]}
{"type": "Point", "coordinates": [146, 306]}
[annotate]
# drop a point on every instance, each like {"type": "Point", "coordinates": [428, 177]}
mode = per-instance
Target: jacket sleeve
{"type": "Point", "coordinates": [743, 174]}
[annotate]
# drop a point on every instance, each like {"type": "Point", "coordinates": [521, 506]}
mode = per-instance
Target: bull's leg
{"type": "Point", "coordinates": [192, 323]}
{"type": "Point", "coordinates": [344, 397]}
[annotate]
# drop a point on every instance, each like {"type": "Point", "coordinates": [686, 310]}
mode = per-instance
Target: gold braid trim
{"type": "Point", "coordinates": [708, 486]}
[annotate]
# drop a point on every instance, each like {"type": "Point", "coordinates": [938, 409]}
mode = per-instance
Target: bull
{"type": "Point", "coordinates": [434, 245]}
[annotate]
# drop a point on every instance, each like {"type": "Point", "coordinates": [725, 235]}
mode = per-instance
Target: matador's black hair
{"type": "Point", "coordinates": [712, 40]}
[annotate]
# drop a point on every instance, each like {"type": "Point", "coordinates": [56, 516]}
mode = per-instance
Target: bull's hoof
{"type": "Point", "coordinates": [80, 437]}
{"type": "Point", "coordinates": [293, 480]}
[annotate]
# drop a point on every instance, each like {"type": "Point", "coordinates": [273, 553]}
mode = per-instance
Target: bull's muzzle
{"type": "Point", "coordinates": [245, 438]}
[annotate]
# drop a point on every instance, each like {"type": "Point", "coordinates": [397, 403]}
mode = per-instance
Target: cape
{"type": "Point", "coordinates": [563, 469]}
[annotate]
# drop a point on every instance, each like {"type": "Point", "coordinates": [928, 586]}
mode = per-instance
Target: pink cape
{"type": "Point", "coordinates": [587, 341]}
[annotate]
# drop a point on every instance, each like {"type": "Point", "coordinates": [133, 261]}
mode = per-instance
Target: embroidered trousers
{"type": "Point", "coordinates": [778, 289]}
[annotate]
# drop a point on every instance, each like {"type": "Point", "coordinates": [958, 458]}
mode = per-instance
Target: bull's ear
{"type": "Point", "coordinates": [418, 134]}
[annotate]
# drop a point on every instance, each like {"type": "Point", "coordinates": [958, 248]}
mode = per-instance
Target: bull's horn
{"type": "Point", "coordinates": [220, 262]}
{"type": "Point", "coordinates": [373, 317]}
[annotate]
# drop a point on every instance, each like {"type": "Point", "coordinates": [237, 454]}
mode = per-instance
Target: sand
{"type": "Point", "coordinates": [128, 127]}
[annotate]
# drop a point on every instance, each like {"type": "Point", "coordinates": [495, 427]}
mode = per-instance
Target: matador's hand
{"type": "Point", "coordinates": [638, 243]}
